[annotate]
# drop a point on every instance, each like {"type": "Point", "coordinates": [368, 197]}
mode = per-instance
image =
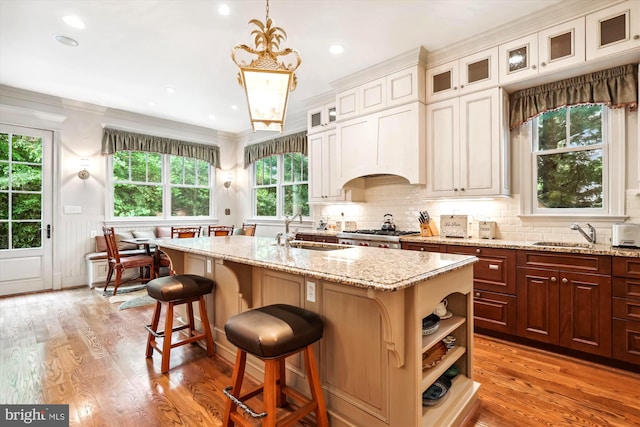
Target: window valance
{"type": "Point", "coordinates": [114, 140]}
{"type": "Point", "coordinates": [294, 143]}
{"type": "Point", "coordinates": [616, 87]}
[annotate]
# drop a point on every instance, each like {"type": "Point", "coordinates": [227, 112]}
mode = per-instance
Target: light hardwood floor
{"type": "Point", "coordinates": [74, 347]}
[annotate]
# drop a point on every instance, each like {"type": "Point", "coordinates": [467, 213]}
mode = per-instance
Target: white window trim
{"type": "Point", "coordinates": [614, 182]}
{"type": "Point", "coordinates": [166, 165]}
{"type": "Point", "coordinates": [279, 193]}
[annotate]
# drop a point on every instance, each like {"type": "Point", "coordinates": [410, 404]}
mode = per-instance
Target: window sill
{"type": "Point", "coordinates": [545, 218]}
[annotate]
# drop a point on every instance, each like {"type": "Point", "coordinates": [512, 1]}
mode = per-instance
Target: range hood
{"type": "Point", "coordinates": [389, 142]}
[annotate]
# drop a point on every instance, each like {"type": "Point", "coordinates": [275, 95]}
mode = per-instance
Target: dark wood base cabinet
{"type": "Point", "coordinates": [316, 238]}
{"type": "Point", "coordinates": [565, 300]}
{"type": "Point", "coordinates": [626, 309]}
{"type": "Point", "coordinates": [494, 312]}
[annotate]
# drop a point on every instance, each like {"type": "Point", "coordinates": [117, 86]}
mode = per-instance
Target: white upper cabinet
{"type": "Point", "coordinates": [321, 118]}
{"type": "Point", "coordinates": [323, 186]}
{"type": "Point", "coordinates": [613, 30]}
{"type": "Point", "coordinates": [386, 92]}
{"type": "Point", "coordinates": [471, 73]}
{"type": "Point", "coordinates": [467, 151]}
{"type": "Point", "coordinates": [561, 46]}
{"type": "Point", "coordinates": [554, 48]}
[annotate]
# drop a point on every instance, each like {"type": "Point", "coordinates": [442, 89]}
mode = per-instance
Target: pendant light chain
{"type": "Point", "coordinates": [267, 11]}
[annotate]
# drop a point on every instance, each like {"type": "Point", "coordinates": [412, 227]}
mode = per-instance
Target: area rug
{"type": "Point", "coordinates": [138, 301]}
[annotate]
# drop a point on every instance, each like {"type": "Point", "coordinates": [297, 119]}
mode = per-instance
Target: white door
{"type": "Point", "coordinates": [25, 210]}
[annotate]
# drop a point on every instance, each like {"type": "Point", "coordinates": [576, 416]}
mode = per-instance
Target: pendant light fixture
{"type": "Point", "coordinates": [266, 80]}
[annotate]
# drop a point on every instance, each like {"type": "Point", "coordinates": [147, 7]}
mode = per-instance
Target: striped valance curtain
{"type": "Point", "coordinates": [114, 140]}
{"type": "Point", "coordinates": [616, 87]}
{"type": "Point", "coordinates": [294, 143]}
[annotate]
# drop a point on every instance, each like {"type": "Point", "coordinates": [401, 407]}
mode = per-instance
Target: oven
{"type": "Point", "coordinates": [373, 238]}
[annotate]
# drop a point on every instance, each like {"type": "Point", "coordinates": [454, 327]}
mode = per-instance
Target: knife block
{"type": "Point", "coordinates": [429, 229]}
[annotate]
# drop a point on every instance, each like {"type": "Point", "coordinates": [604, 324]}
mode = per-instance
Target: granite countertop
{"type": "Point", "coordinates": [314, 232]}
{"type": "Point", "coordinates": [585, 248]}
{"type": "Point", "coordinates": [372, 268]}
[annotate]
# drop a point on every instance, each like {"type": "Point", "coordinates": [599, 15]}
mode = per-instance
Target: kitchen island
{"type": "Point", "coordinates": [372, 301]}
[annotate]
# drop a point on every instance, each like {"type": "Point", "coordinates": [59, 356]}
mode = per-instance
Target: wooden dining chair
{"type": "Point", "coordinates": [220, 230]}
{"type": "Point", "coordinates": [118, 264]}
{"type": "Point", "coordinates": [249, 229]}
{"type": "Point", "coordinates": [184, 232]}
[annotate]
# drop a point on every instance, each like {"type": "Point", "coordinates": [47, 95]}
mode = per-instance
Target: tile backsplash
{"type": "Point", "coordinates": [391, 194]}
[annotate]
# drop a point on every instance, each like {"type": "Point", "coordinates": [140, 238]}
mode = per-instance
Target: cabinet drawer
{"type": "Point", "coordinates": [425, 247]}
{"type": "Point", "coordinates": [626, 267]}
{"type": "Point", "coordinates": [495, 312]}
{"type": "Point", "coordinates": [626, 309]}
{"type": "Point", "coordinates": [326, 239]}
{"type": "Point", "coordinates": [626, 341]}
{"type": "Point", "coordinates": [496, 269]}
{"type": "Point", "coordinates": [626, 288]}
{"type": "Point", "coordinates": [564, 261]}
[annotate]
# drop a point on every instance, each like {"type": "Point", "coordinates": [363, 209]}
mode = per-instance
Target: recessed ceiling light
{"type": "Point", "coordinates": [73, 21]}
{"type": "Point", "coordinates": [171, 89]}
{"type": "Point", "coordinates": [152, 104]}
{"type": "Point", "coordinates": [336, 49]}
{"type": "Point", "coordinates": [212, 117]}
{"type": "Point", "coordinates": [224, 10]}
{"type": "Point", "coordinates": [68, 41]}
{"type": "Point", "coordinates": [234, 107]}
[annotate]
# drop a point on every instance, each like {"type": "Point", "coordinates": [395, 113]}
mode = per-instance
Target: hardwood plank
{"type": "Point", "coordinates": [74, 347]}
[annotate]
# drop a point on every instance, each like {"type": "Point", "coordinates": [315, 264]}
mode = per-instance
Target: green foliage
{"type": "Point", "coordinates": [295, 191]}
{"type": "Point", "coordinates": [138, 191]}
{"type": "Point", "coordinates": [21, 185]}
{"type": "Point", "coordinates": [570, 177]}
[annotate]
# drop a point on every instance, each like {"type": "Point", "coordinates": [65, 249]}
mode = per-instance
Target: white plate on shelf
{"type": "Point", "coordinates": [449, 315]}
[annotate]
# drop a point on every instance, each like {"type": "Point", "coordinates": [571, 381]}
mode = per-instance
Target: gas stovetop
{"type": "Point", "coordinates": [375, 235]}
{"type": "Point", "coordinates": [385, 232]}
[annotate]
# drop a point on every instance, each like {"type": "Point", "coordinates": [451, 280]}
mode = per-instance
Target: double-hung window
{"type": "Point", "coordinates": [280, 185]}
{"type": "Point", "coordinates": [160, 185]}
{"type": "Point", "coordinates": [570, 159]}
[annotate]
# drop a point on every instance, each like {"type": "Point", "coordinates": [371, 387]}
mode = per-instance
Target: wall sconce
{"type": "Point", "coordinates": [84, 173]}
{"type": "Point", "coordinates": [228, 179]}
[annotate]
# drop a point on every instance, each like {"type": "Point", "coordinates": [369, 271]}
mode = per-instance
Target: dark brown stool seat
{"type": "Point", "coordinates": [172, 291]}
{"type": "Point", "coordinates": [272, 333]}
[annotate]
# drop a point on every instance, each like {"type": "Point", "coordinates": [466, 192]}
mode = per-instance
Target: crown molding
{"type": "Point", "coordinates": [563, 11]}
{"type": "Point", "coordinates": [414, 57]}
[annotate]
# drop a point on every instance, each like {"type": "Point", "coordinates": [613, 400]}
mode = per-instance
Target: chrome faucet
{"type": "Point", "coordinates": [287, 236]}
{"type": "Point", "coordinates": [591, 237]}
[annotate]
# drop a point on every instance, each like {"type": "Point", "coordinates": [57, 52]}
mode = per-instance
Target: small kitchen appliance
{"type": "Point", "coordinates": [626, 235]}
{"type": "Point", "coordinates": [388, 224]}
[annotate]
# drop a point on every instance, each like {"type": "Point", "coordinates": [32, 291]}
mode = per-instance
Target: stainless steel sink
{"type": "Point", "coordinates": [317, 246]}
{"type": "Point", "coordinates": [564, 244]}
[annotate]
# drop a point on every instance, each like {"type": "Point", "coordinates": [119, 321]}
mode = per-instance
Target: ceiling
{"type": "Point", "coordinates": [131, 50]}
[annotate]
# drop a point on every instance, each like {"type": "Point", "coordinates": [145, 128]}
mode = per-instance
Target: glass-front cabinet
{"type": "Point", "coordinates": [469, 74]}
{"type": "Point", "coordinates": [613, 30]}
{"type": "Point", "coordinates": [321, 118]}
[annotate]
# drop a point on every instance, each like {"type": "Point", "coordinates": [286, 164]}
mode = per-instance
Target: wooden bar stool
{"type": "Point", "coordinates": [172, 291]}
{"type": "Point", "coordinates": [272, 333]}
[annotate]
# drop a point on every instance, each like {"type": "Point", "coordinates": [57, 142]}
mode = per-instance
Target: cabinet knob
{"type": "Point", "coordinates": [544, 64]}
{"type": "Point", "coordinates": [533, 67]}
{"type": "Point", "coordinates": [461, 86]}
{"type": "Point", "coordinates": [462, 189]}
{"type": "Point", "coordinates": [455, 189]}
{"type": "Point", "coordinates": [478, 251]}
{"type": "Point", "coordinates": [564, 280]}
{"type": "Point", "coordinates": [636, 37]}
{"type": "Point", "coordinates": [553, 279]}
{"type": "Point", "coordinates": [477, 294]}
{"type": "Point", "coordinates": [455, 88]}
{"type": "Point", "coordinates": [422, 249]}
